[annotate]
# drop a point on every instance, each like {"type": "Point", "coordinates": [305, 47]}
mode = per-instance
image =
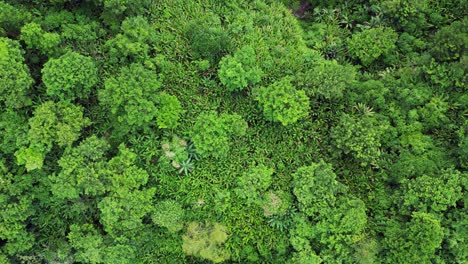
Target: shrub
{"type": "Point", "coordinates": [253, 183]}
{"type": "Point", "coordinates": [327, 79]}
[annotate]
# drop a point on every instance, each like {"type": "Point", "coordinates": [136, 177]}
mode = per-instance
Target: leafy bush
{"type": "Point", "coordinates": [450, 42]}
{"type": "Point", "coordinates": [212, 133]}
{"type": "Point", "coordinates": [240, 70]}
{"type": "Point", "coordinates": [70, 76]}
{"type": "Point", "coordinates": [134, 44]}
{"type": "Point", "coordinates": [87, 242]}
{"type": "Point", "coordinates": [13, 17]}
{"type": "Point", "coordinates": [81, 170]}
{"type": "Point", "coordinates": [281, 102]}
{"type": "Point", "coordinates": [433, 194]}
{"type": "Point", "coordinates": [371, 44]}
{"type": "Point", "coordinates": [413, 242]}
{"type": "Point", "coordinates": [169, 110]}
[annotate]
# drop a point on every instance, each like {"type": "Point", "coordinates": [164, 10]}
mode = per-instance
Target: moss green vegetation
{"type": "Point", "coordinates": [243, 131]}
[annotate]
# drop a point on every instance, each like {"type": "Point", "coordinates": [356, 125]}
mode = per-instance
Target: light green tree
{"type": "Point", "coordinates": [253, 183]}
{"type": "Point", "coordinates": [206, 241]}
{"type": "Point", "coordinates": [316, 188]}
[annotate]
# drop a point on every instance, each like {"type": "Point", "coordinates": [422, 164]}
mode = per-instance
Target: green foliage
{"type": "Point", "coordinates": [433, 114]}
{"type": "Point", "coordinates": [121, 213]}
{"type": "Point", "coordinates": [206, 241]}
{"type": "Point", "coordinates": [360, 137]}
{"type": "Point", "coordinates": [327, 79]}
{"type": "Point", "coordinates": [253, 183]}
{"type": "Point", "coordinates": [169, 214]}
{"type": "Point", "coordinates": [35, 38]}
{"type": "Point", "coordinates": [305, 257]}
{"type": "Point", "coordinates": [282, 102]}
{"type": "Point", "coordinates": [129, 95]}
{"type": "Point", "coordinates": [70, 76]}
{"type": "Point", "coordinates": [59, 123]}
{"type": "Point", "coordinates": [413, 242]}
{"type": "Point", "coordinates": [114, 11]}
{"type": "Point", "coordinates": [316, 188]}
{"type": "Point", "coordinates": [32, 157]}
{"type": "Point", "coordinates": [371, 44]}
{"type": "Point", "coordinates": [208, 40]}
{"type": "Point", "coordinates": [212, 133]}
{"type": "Point", "coordinates": [341, 229]}
{"type": "Point", "coordinates": [240, 70]}
{"type": "Point", "coordinates": [16, 206]}
{"type": "Point", "coordinates": [15, 79]}
{"type": "Point", "coordinates": [108, 111]}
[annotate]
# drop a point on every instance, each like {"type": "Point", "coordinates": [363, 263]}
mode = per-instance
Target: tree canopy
{"type": "Point", "coordinates": [242, 131]}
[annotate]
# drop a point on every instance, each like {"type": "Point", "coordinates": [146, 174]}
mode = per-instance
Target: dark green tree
{"type": "Point", "coordinates": [70, 76]}
{"type": "Point", "coordinates": [212, 133]}
{"type": "Point", "coordinates": [15, 79]}
{"type": "Point", "coordinates": [282, 102]}
{"type": "Point", "coordinates": [240, 70]}
{"type": "Point", "coordinates": [52, 123]}
{"type": "Point", "coordinates": [359, 137]}
{"type": "Point", "coordinates": [415, 241]}
{"type": "Point", "coordinates": [370, 44]}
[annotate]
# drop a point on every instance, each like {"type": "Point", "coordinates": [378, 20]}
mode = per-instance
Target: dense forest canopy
{"type": "Point", "coordinates": [246, 131]}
